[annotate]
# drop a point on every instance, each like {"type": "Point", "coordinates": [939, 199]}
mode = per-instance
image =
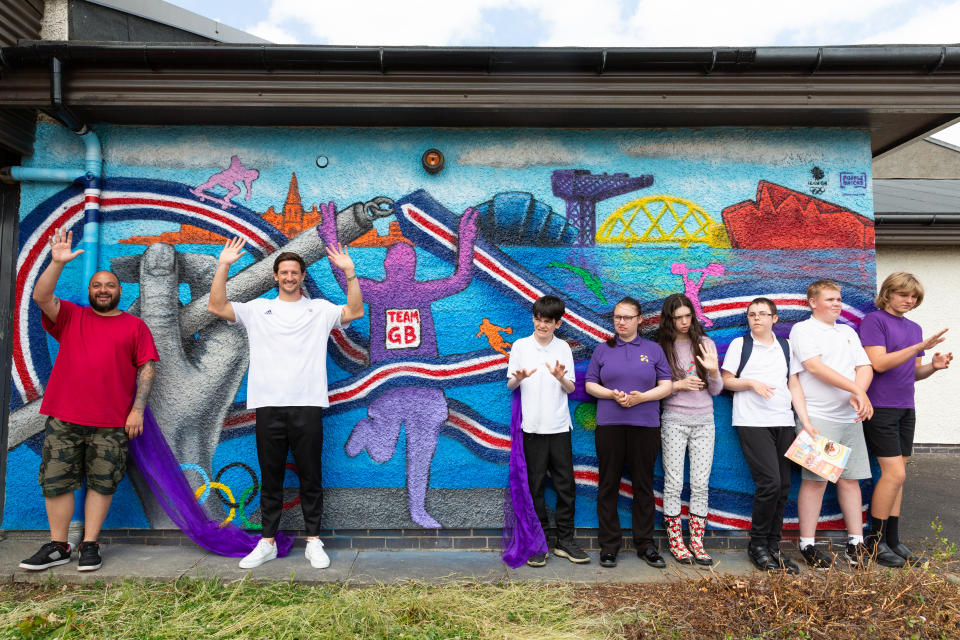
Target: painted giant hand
{"type": "Point", "coordinates": [402, 326]}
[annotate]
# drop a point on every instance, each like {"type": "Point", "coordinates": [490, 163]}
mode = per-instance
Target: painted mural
{"type": "Point", "coordinates": [449, 264]}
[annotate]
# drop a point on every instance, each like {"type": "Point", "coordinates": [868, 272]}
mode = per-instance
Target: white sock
{"type": "Point", "coordinates": [806, 542]}
{"type": "Point", "coordinates": [856, 539]}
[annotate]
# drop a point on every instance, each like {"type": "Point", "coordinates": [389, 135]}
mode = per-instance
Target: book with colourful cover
{"type": "Point", "coordinates": [821, 455]}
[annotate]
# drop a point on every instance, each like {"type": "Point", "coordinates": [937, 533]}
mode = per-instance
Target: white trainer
{"type": "Point", "coordinates": [263, 552]}
{"type": "Point", "coordinates": [316, 555]}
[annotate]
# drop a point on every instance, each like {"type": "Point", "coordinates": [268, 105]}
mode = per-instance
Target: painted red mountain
{"type": "Point", "coordinates": [782, 218]}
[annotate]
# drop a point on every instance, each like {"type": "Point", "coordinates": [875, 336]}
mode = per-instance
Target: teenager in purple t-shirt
{"type": "Point", "coordinates": [895, 346]}
{"type": "Point", "coordinates": [628, 375]}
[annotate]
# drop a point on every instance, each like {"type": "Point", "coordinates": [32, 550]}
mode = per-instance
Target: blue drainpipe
{"type": "Point", "coordinates": [91, 180]}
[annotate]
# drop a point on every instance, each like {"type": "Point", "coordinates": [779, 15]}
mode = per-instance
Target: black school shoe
{"type": "Point", "coordinates": [50, 554]}
{"type": "Point", "coordinates": [912, 559]}
{"type": "Point", "coordinates": [887, 557]}
{"type": "Point", "coordinates": [783, 561]}
{"type": "Point", "coordinates": [89, 556]}
{"type": "Point", "coordinates": [608, 560]}
{"type": "Point", "coordinates": [762, 559]}
{"type": "Point", "coordinates": [652, 557]}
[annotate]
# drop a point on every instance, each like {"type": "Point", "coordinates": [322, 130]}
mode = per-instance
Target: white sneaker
{"type": "Point", "coordinates": [263, 552]}
{"type": "Point", "coordinates": [316, 555]}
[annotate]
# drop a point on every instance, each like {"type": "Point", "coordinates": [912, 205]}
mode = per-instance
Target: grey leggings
{"type": "Point", "coordinates": [680, 433]}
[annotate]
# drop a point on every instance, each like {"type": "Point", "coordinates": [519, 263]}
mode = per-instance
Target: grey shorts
{"type": "Point", "coordinates": [849, 434]}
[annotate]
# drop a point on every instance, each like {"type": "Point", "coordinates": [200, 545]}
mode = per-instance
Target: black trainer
{"type": "Point", "coordinates": [857, 554]}
{"type": "Point", "coordinates": [570, 550]}
{"type": "Point", "coordinates": [50, 555]}
{"type": "Point", "coordinates": [537, 560]}
{"type": "Point", "coordinates": [608, 560]}
{"type": "Point", "coordinates": [816, 558]}
{"type": "Point", "coordinates": [89, 556]}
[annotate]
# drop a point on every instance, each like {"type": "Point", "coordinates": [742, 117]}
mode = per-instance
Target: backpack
{"type": "Point", "coordinates": [748, 349]}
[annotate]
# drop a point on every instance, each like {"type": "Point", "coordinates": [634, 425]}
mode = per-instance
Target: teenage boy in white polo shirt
{"type": "Point", "coordinates": [542, 366]}
{"type": "Point", "coordinates": [834, 372]}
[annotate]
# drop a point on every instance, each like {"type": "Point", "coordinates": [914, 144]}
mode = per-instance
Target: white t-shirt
{"type": "Point", "coordinates": [768, 365]}
{"type": "Point", "coordinates": [288, 350]}
{"type": "Point", "coordinates": [839, 348]}
{"type": "Point", "coordinates": [542, 399]}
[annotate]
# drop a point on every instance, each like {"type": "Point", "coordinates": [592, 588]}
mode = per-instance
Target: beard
{"type": "Point", "coordinates": [103, 307]}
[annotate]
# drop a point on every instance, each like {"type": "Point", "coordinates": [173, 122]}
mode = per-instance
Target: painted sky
{"type": "Point", "coordinates": [610, 23]}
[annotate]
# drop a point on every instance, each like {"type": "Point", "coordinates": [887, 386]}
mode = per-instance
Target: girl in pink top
{"type": "Point", "coordinates": [687, 422]}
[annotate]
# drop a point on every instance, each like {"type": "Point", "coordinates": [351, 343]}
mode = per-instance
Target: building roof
{"type": "Point", "coordinates": [917, 211]}
{"type": "Point", "coordinates": [897, 92]}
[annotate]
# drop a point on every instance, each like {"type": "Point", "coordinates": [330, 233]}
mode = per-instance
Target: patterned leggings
{"type": "Point", "coordinates": [680, 432]}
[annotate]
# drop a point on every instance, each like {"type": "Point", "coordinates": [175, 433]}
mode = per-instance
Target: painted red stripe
{"type": "Point", "coordinates": [20, 363]}
{"type": "Point", "coordinates": [344, 343]}
{"type": "Point", "coordinates": [91, 199]}
{"type": "Point", "coordinates": [496, 441]}
{"type": "Point", "coordinates": [448, 373]}
{"type": "Point", "coordinates": [239, 418]}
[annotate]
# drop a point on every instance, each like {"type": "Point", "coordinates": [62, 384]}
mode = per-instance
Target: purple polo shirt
{"type": "Point", "coordinates": [892, 389]}
{"type": "Point", "coordinates": [628, 366]}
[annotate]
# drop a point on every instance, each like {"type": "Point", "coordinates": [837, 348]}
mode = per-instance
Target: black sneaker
{"type": "Point", "coordinates": [50, 555]}
{"type": "Point", "coordinates": [912, 559]}
{"type": "Point", "coordinates": [537, 560]}
{"type": "Point", "coordinates": [608, 560]}
{"type": "Point", "coordinates": [816, 558]}
{"type": "Point", "coordinates": [783, 562]}
{"type": "Point", "coordinates": [887, 557]}
{"type": "Point", "coordinates": [89, 556]}
{"type": "Point", "coordinates": [857, 554]}
{"type": "Point", "coordinates": [570, 550]}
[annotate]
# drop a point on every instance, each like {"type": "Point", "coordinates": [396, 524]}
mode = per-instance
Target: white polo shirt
{"type": "Point", "coordinates": [542, 399]}
{"type": "Point", "coordinates": [839, 348]}
{"type": "Point", "coordinates": [768, 365]}
{"type": "Point", "coordinates": [288, 350]}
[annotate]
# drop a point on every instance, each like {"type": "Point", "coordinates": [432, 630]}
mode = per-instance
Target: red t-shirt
{"type": "Point", "coordinates": [94, 378]}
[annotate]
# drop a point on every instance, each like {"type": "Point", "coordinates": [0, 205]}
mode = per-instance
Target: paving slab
{"type": "Point", "coordinates": [294, 567]}
{"type": "Point", "coordinates": [428, 566]}
{"type": "Point", "coordinates": [120, 562]}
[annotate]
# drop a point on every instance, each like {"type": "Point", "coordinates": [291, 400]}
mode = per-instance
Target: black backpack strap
{"type": "Point", "coordinates": [786, 352]}
{"type": "Point", "coordinates": [745, 352]}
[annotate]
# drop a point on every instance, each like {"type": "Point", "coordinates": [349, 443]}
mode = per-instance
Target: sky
{"type": "Point", "coordinates": [593, 23]}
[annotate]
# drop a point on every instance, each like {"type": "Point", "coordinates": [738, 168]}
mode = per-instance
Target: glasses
{"type": "Point", "coordinates": [759, 315]}
{"type": "Point", "coordinates": [623, 318]}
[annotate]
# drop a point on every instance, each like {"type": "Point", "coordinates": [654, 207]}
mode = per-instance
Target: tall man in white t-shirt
{"type": "Point", "coordinates": [287, 384]}
{"type": "Point", "coordinates": [834, 372]}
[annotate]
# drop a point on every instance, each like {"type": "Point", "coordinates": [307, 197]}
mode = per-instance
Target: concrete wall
{"type": "Point", "coordinates": [922, 159]}
{"type": "Point", "coordinates": [938, 268]}
{"type": "Point", "coordinates": [722, 214]}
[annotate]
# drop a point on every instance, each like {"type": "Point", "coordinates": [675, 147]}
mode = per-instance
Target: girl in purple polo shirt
{"type": "Point", "coordinates": [628, 375]}
{"type": "Point", "coordinates": [895, 346]}
{"type": "Point", "coordinates": [687, 422]}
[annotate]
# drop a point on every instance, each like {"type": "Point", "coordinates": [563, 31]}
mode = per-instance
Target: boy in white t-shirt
{"type": "Point", "coordinates": [834, 372]}
{"type": "Point", "coordinates": [287, 384]}
{"type": "Point", "coordinates": [542, 366]}
{"type": "Point", "coordinates": [757, 370]}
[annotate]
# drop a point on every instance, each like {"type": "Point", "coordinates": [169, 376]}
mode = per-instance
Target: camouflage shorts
{"type": "Point", "coordinates": [72, 451]}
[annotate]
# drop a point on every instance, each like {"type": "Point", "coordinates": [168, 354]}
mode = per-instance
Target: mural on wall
{"type": "Point", "coordinates": [449, 266]}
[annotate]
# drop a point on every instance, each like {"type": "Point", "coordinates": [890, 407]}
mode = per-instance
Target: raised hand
{"type": "Point", "coordinates": [232, 251]}
{"type": "Point", "coordinates": [558, 371]}
{"type": "Point", "coordinates": [522, 374]}
{"type": "Point", "coordinates": [764, 390]}
{"type": "Point", "coordinates": [60, 247]}
{"type": "Point", "coordinates": [709, 358]}
{"type": "Point", "coordinates": [340, 258]}
{"type": "Point", "coordinates": [468, 226]}
{"type": "Point", "coordinates": [942, 360]}
{"type": "Point", "coordinates": [933, 340]}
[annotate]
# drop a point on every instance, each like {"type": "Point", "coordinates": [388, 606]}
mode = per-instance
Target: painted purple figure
{"type": "Point", "coordinates": [692, 289]}
{"type": "Point", "coordinates": [227, 179]}
{"type": "Point", "coordinates": [401, 326]}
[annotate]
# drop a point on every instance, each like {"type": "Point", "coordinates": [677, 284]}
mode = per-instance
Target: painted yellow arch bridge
{"type": "Point", "coordinates": [662, 218]}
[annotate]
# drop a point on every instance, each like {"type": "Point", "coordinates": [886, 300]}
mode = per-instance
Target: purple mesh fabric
{"type": "Point", "coordinates": [522, 533]}
{"type": "Point", "coordinates": [153, 457]}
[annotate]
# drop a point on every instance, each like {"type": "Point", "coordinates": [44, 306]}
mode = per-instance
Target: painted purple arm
{"type": "Point", "coordinates": [466, 236]}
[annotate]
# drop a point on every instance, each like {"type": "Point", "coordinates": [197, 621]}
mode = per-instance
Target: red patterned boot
{"type": "Point", "coordinates": [675, 536]}
{"type": "Point", "coordinates": [697, 526]}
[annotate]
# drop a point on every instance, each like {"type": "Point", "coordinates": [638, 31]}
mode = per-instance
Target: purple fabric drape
{"type": "Point", "coordinates": [522, 534]}
{"type": "Point", "coordinates": [160, 468]}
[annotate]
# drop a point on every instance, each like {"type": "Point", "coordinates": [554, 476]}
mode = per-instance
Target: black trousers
{"type": "Point", "coordinates": [637, 447]}
{"type": "Point", "coordinates": [763, 447]}
{"type": "Point", "coordinates": [551, 452]}
{"type": "Point", "coordinates": [280, 429]}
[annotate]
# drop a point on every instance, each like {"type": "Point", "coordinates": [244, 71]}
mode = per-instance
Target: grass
{"type": "Point", "coordinates": [883, 604]}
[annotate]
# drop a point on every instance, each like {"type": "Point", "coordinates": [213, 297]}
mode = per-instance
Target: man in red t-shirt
{"type": "Point", "coordinates": [94, 401]}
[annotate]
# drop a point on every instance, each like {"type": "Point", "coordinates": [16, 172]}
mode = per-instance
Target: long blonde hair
{"type": "Point", "coordinates": [899, 282]}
